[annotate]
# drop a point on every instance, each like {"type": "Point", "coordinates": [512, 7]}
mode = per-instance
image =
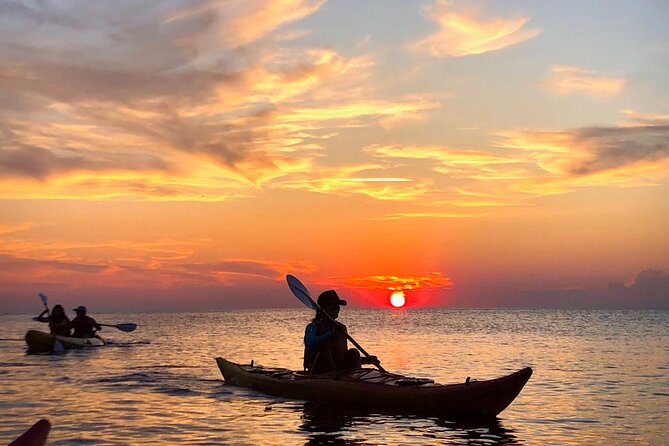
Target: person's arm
{"type": "Point", "coordinates": [42, 318]}
{"type": "Point", "coordinates": [312, 340]}
{"type": "Point", "coordinates": [97, 326]}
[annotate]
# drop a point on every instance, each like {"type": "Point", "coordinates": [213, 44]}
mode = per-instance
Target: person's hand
{"type": "Point", "coordinates": [371, 360]}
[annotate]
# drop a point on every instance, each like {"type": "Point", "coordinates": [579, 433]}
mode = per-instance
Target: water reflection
{"type": "Point", "coordinates": [326, 425]}
{"type": "Point", "coordinates": [489, 432]}
{"type": "Point", "coordinates": [330, 425]}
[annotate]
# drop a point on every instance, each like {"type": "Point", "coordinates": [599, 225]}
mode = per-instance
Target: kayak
{"type": "Point", "coordinates": [40, 342]}
{"type": "Point", "coordinates": [35, 436]}
{"type": "Point", "coordinates": [371, 388]}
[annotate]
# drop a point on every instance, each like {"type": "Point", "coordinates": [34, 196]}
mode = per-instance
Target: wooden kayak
{"type": "Point", "coordinates": [35, 436]}
{"type": "Point", "coordinates": [371, 388]}
{"type": "Point", "coordinates": [40, 342]}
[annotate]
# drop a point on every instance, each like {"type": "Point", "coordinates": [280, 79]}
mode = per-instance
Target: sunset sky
{"type": "Point", "coordinates": [166, 155]}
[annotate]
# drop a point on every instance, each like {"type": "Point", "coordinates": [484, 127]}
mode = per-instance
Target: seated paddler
{"type": "Point", "coordinates": [84, 326]}
{"type": "Point", "coordinates": [59, 323]}
{"type": "Point", "coordinates": [325, 339]}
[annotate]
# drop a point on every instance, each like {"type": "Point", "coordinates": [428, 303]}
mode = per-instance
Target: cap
{"type": "Point", "coordinates": [80, 308]}
{"type": "Point", "coordinates": [330, 297]}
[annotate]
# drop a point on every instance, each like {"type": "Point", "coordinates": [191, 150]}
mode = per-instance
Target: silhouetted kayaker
{"type": "Point", "coordinates": [84, 326]}
{"type": "Point", "coordinates": [325, 343]}
{"type": "Point", "coordinates": [59, 323]}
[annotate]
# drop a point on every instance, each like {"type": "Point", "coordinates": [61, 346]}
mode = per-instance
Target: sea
{"type": "Point", "coordinates": [600, 378]}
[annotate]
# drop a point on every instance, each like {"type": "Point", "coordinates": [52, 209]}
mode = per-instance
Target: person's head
{"type": "Point", "coordinates": [80, 310]}
{"type": "Point", "coordinates": [58, 312]}
{"type": "Point", "coordinates": [330, 303]}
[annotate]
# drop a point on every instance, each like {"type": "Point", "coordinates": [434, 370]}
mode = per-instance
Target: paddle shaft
{"type": "Point", "coordinates": [44, 300]}
{"type": "Point", "coordinates": [127, 327]}
{"type": "Point", "coordinates": [348, 336]}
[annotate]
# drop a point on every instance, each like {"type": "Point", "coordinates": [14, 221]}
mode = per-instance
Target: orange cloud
{"type": "Point", "coordinates": [527, 163]}
{"type": "Point", "coordinates": [432, 215]}
{"type": "Point", "coordinates": [129, 264]}
{"type": "Point", "coordinates": [597, 156]}
{"type": "Point", "coordinates": [194, 119]}
{"type": "Point", "coordinates": [359, 180]}
{"type": "Point", "coordinates": [245, 21]}
{"type": "Point", "coordinates": [645, 118]}
{"type": "Point", "coordinates": [446, 156]}
{"type": "Point", "coordinates": [251, 20]}
{"type": "Point", "coordinates": [464, 33]}
{"type": "Point", "coordinates": [566, 80]}
{"type": "Point", "coordinates": [10, 229]}
{"type": "Point", "coordinates": [432, 280]}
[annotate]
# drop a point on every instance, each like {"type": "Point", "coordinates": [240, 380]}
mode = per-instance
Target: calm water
{"type": "Point", "coordinates": [601, 378]}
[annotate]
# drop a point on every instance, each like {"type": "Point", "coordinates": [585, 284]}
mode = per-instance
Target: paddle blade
{"type": "Point", "coordinates": [43, 298]}
{"type": "Point", "coordinates": [300, 291]}
{"type": "Point", "coordinates": [126, 327]}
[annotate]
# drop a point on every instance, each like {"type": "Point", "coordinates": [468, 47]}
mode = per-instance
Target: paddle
{"type": "Point", "coordinates": [45, 301]}
{"type": "Point", "coordinates": [301, 292]}
{"type": "Point", "coordinates": [127, 327]}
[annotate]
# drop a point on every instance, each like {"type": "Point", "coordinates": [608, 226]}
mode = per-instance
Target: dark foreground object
{"type": "Point", "coordinates": [371, 388]}
{"type": "Point", "coordinates": [40, 342]}
{"type": "Point", "coordinates": [35, 436]}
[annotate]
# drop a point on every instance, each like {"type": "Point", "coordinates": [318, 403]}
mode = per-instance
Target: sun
{"type": "Point", "coordinates": [397, 299]}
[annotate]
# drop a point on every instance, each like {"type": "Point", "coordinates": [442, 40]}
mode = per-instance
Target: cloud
{"type": "Point", "coordinates": [40, 163]}
{"type": "Point", "coordinates": [430, 281]}
{"type": "Point", "coordinates": [11, 264]}
{"type": "Point", "coordinates": [645, 118]}
{"type": "Point", "coordinates": [456, 170]}
{"type": "Point", "coordinates": [464, 32]}
{"type": "Point", "coordinates": [524, 164]}
{"type": "Point", "coordinates": [173, 101]}
{"type": "Point", "coordinates": [363, 179]}
{"type": "Point", "coordinates": [11, 229]}
{"type": "Point", "coordinates": [449, 160]}
{"type": "Point", "coordinates": [242, 267]}
{"type": "Point", "coordinates": [566, 80]}
{"type": "Point", "coordinates": [250, 20]}
{"type": "Point", "coordinates": [154, 274]}
{"type": "Point", "coordinates": [433, 215]}
{"type": "Point", "coordinates": [649, 290]}
{"type": "Point", "coordinates": [601, 153]}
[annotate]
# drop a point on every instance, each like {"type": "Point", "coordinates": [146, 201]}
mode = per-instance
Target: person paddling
{"type": "Point", "coordinates": [84, 325]}
{"type": "Point", "coordinates": [59, 323]}
{"type": "Point", "coordinates": [325, 342]}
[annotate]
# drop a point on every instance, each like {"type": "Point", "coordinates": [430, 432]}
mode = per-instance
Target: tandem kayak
{"type": "Point", "coordinates": [371, 388]}
{"type": "Point", "coordinates": [40, 342]}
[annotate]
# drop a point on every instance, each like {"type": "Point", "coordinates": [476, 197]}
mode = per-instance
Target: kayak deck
{"type": "Point", "coordinates": [371, 388]}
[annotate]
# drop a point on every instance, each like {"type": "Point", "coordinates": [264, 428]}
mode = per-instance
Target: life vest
{"type": "Point", "coordinates": [84, 327]}
{"type": "Point", "coordinates": [337, 346]}
{"type": "Point", "coordinates": [60, 327]}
